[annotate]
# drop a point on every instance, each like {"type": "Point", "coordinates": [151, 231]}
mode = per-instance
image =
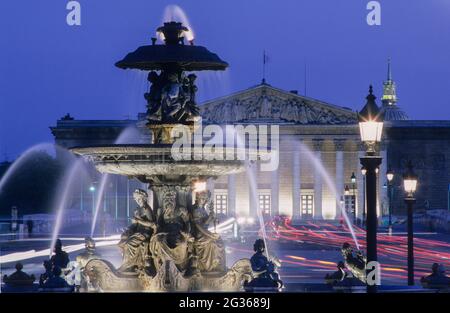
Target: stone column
{"type": "Point", "coordinates": [210, 185]}
{"type": "Point", "coordinates": [232, 195]}
{"type": "Point", "coordinates": [253, 189]}
{"type": "Point", "coordinates": [339, 148]}
{"type": "Point", "coordinates": [317, 145]}
{"type": "Point", "coordinates": [275, 192]}
{"type": "Point", "coordinates": [296, 183]}
{"type": "Point", "coordinates": [360, 205]}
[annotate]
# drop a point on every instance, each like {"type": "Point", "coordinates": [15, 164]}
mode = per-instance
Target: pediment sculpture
{"type": "Point", "coordinates": [273, 108]}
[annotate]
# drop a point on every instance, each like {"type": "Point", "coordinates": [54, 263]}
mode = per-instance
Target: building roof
{"type": "Point", "coordinates": [266, 104]}
{"type": "Point", "coordinates": [394, 113]}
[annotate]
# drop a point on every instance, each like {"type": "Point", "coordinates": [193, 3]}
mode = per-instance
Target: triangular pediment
{"type": "Point", "coordinates": [266, 104]}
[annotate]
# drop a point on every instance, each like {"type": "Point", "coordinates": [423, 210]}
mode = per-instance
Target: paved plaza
{"type": "Point", "coordinates": [307, 252]}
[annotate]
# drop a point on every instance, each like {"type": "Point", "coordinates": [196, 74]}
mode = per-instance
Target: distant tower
{"type": "Point", "coordinates": [389, 92]}
{"type": "Point", "coordinates": [392, 112]}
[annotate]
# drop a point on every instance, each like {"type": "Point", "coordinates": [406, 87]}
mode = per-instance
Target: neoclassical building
{"type": "Point", "coordinates": [319, 149]}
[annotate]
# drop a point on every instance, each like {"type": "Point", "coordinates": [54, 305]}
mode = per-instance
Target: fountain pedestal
{"type": "Point", "coordinates": [105, 277]}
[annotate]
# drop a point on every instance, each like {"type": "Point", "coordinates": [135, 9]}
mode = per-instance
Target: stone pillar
{"type": "Point", "coordinates": [339, 148]}
{"type": "Point", "coordinates": [210, 185]}
{"type": "Point", "coordinates": [296, 184]}
{"type": "Point", "coordinates": [317, 145]}
{"type": "Point", "coordinates": [360, 185]}
{"type": "Point", "coordinates": [275, 192]}
{"type": "Point", "coordinates": [252, 188]}
{"type": "Point", "coordinates": [232, 195]}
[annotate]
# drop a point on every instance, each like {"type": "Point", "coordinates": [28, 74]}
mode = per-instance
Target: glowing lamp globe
{"type": "Point", "coordinates": [410, 181]}
{"type": "Point", "coordinates": [370, 122]}
{"type": "Point", "coordinates": [353, 178]}
{"type": "Point", "coordinates": [390, 175]}
{"type": "Point", "coordinates": [363, 171]}
{"type": "Point", "coordinates": [346, 191]}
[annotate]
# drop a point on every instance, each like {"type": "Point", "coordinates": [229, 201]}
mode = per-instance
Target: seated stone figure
{"type": "Point", "coordinates": [208, 248]}
{"type": "Point", "coordinates": [437, 278]}
{"type": "Point", "coordinates": [265, 269]}
{"type": "Point", "coordinates": [60, 258]}
{"type": "Point", "coordinates": [19, 278]}
{"type": "Point", "coordinates": [135, 240]}
{"type": "Point", "coordinates": [172, 241]}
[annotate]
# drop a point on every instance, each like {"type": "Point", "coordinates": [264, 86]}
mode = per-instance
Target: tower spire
{"type": "Point", "coordinates": [389, 75]}
{"type": "Point", "coordinates": [389, 89]}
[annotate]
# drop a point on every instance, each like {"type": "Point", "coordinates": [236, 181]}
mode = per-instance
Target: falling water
{"type": "Point", "coordinates": [24, 157]}
{"type": "Point", "coordinates": [173, 13]}
{"type": "Point", "coordinates": [213, 84]}
{"type": "Point", "coordinates": [251, 179]}
{"type": "Point", "coordinates": [98, 201]}
{"type": "Point", "coordinates": [254, 190]}
{"type": "Point", "coordinates": [135, 85]}
{"type": "Point", "coordinates": [67, 184]}
{"type": "Point", "coordinates": [324, 174]}
{"type": "Point", "coordinates": [129, 135]}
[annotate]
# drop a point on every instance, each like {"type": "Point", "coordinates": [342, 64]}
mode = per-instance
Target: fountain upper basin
{"type": "Point", "coordinates": [158, 159]}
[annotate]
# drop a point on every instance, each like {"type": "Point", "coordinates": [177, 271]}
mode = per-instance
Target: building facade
{"type": "Point", "coordinates": [319, 172]}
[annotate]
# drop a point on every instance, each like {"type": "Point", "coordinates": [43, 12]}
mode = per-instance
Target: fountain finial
{"type": "Point", "coordinates": [172, 32]}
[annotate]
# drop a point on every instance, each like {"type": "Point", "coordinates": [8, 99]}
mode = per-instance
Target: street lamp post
{"type": "Point", "coordinates": [353, 181]}
{"type": "Point", "coordinates": [363, 173]}
{"type": "Point", "coordinates": [371, 128]}
{"type": "Point", "coordinates": [410, 185]}
{"type": "Point", "coordinates": [390, 177]}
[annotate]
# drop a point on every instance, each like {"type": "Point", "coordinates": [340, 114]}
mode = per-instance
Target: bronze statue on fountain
{"type": "Point", "coordinates": [169, 245]}
{"type": "Point", "coordinates": [177, 252]}
{"type": "Point", "coordinates": [171, 98]}
{"type": "Point", "coordinates": [135, 239]}
{"type": "Point", "coordinates": [354, 262]}
{"type": "Point", "coordinates": [208, 249]}
{"type": "Point", "coordinates": [265, 270]}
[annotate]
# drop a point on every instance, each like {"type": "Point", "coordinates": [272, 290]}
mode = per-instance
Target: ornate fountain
{"type": "Point", "coordinates": [168, 246]}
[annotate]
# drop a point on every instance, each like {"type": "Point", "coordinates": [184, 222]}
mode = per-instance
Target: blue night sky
{"type": "Point", "coordinates": [48, 69]}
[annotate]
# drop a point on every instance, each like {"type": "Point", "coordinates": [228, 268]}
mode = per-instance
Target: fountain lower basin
{"type": "Point", "coordinates": [159, 159]}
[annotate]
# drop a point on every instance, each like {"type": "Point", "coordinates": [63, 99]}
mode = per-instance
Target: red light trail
{"type": "Point", "coordinates": [392, 249]}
